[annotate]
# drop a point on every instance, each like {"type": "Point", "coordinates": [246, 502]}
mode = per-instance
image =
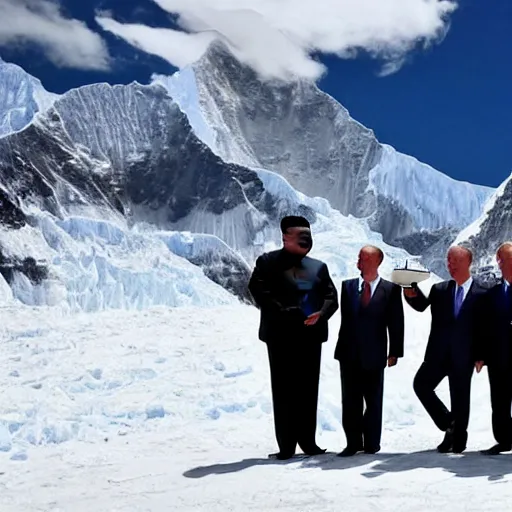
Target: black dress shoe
{"type": "Point", "coordinates": [349, 451]}
{"type": "Point", "coordinates": [372, 451]}
{"type": "Point", "coordinates": [497, 449]}
{"type": "Point", "coordinates": [447, 445]}
{"type": "Point", "coordinates": [458, 447]}
{"type": "Point", "coordinates": [459, 442]}
{"type": "Point", "coordinates": [281, 455]}
{"type": "Point", "coordinates": [315, 450]}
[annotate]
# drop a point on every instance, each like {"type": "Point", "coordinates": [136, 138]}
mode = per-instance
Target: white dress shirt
{"type": "Point", "coordinates": [466, 286]}
{"type": "Point", "coordinates": [373, 284]}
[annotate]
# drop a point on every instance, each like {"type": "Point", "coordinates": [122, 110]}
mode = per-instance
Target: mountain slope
{"type": "Point", "coordinates": [120, 167]}
{"type": "Point", "coordinates": [308, 137]}
{"type": "Point", "coordinates": [21, 97]}
{"type": "Point", "coordinates": [116, 159]}
{"type": "Point", "coordinates": [491, 229]}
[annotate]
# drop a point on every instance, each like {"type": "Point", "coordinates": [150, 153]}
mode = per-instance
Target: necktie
{"type": "Point", "coordinates": [366, 295]}
{"type": "Point", "coordinates": [458, 299]}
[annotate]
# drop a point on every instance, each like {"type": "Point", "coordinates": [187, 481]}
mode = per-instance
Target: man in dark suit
{"type": "Point", "coordinates": [296, 297]}
{"type": "Point", "coordinates": [371, 307]}
{"type": "Point", "coordinates": [453, 348]}
{"type": "Point", "coordinates": [497, 351]}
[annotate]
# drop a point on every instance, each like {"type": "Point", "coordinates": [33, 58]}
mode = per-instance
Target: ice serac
{"type": "Point", "coordinates": [91, 264]}
{"type": "Point", "coordinates": [21, 97]}
{"type": "Point", "coordinates": [218, 261]}
{"type": "Point", "coordinates": [490, 230]}
{"type": "Point", "coordinates": [305, 135]}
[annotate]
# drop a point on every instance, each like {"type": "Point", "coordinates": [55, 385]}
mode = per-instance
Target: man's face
{"type": "Point", "coordinates": [368, 261]}
{"type": "Point", "coordinates": [298, 240]}
{"type": "Point", "coordinates": [458, 262]}
{"type": "Point", "coordinates": [504, 258]}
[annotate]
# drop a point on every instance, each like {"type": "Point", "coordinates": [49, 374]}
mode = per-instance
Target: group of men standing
{"type": "Point", "coordinates": [471, 327]}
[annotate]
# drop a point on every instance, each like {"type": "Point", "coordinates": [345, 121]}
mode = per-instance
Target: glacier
{"type": "Point", "coordinates": [96, 265]}
{"type": "Point", "coordinates": [21, 97]}
{"type": "Point", "coordinates": [304, 134]}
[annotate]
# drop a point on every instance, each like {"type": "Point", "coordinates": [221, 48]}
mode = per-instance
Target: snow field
{"type": "Point", "coordinates": [170, 409]}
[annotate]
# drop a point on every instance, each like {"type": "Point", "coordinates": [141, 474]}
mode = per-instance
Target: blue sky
{"type": "Point", "coordinates": [449, 105]}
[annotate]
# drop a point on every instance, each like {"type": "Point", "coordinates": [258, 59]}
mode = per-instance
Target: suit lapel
{"type": "Point", "coordinates": [378, 293]}
{"type": "Point", "coordinates": [450, 297]}
{"type": "Point", "coordinates": [354, 287]}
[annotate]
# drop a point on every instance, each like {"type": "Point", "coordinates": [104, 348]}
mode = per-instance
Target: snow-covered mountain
{"type": "Point", "coordinates": [491, 229]}
{"type": "Point", "coordinates": [109, 175]}
{"type": "Point", "coordinates": [21, 97]}
{"type": "Point", "coordinates": [305, 135]}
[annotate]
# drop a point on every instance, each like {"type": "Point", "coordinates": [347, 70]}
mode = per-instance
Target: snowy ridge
{"type": "Point", "coordinates": [21, 97]}
{"type": "Point", "coordinates": [182, 88]}
{"type": "Point", "coordinates": [337, 238]}
{"type": "Point", "coordinates": [488, 232]}
{"type": "Point", "coordinates": [305, 135]}
{"type": "Point", "coordinates": [424, 192]}
{"type": "Point", "coordinates": [473, 229]}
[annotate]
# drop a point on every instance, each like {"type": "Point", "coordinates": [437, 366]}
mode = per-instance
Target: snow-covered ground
{"type": "Point", "coordinates": [170, 409]}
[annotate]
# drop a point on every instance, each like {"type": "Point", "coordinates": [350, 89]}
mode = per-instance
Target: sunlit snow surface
{"type": "Point", "coordinates": [170, 409]}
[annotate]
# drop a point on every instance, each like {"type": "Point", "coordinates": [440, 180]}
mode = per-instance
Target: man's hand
{"type": "Point", "coordinates": [392, 361]}
{"type": "Point", "coordinates": [410, 292]}
{"type": "Point", "coordinates": [479, 365]}
{"type": "Point", "coordinates": [312, 319]}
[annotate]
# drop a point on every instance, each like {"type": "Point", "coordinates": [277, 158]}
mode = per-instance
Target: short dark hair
{"type": "Point", "coordinates": [294, 221]}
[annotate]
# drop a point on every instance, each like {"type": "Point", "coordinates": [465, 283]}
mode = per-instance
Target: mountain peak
{"type": "Point", "coordinates": [22, 96]}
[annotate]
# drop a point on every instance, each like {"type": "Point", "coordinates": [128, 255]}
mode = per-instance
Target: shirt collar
{"type": "Point", "coordinates": [372, 283]}
{"type": "Point", "coordinates": [467, 284]}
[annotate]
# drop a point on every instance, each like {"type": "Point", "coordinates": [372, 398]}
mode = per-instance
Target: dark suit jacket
{"type": "Point", "coordinates": [363, 336]}
{"type": "Point", "coordinates": [273, 291]}
{"type": "Point", "coordinates": [452, 339]}
{"type": "Point", "coordinates": [496, 328]}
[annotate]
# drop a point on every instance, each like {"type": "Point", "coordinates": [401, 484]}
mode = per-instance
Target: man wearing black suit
{"type": "Point", "coordinates": [497, 351]}
{"type": "Point", "coordinates": [371, 307]}
{"type": "Point", "coordinates": [296, 297]}
{"type": "Point", "coordinates": [453, 348]}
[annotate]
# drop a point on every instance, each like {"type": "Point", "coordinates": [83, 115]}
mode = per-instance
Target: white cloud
{"type": "Point", "coordinates": [174, 46]}
{"type": "Point", "coordinates": [66, 42]}
{"type": "Point", "coordinates": [277, 37]}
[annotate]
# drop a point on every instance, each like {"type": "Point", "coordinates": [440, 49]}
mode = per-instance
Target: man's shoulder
{"type": "Point", "coordinates": [388, 284]}
{"type": "Point", "coordinates": [481, 288]}
{"type": "Point", "coordinates": [313, 262]}
{"type": "Point", "coordinates": [269, 256]}
{"type": "Point", "coordinates": [442, 285]}
{"type": "Point", "coordinates": [350, 280]}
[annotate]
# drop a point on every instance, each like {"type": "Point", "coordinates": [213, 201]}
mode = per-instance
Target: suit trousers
{"type": "Point", "coordinates": [295, 375]}
{"type": "Point", "coordinates": [361, 387]}
{"type": "Point", "coordinates": [500, 382]}
{"type": "Point", "coordinates": [427, 379]}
